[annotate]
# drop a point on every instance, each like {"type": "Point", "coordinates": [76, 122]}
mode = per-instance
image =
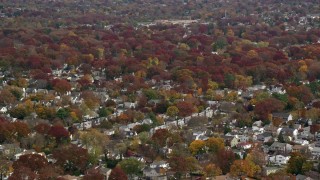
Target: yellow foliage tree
{"type": "Point", "coordinates": [212, 170]}
{"type": "Point", "coordinates": [95, 142]}
{"type": "Point", "coordinates": [242, 82]}
{"type": "Point", "coordinates": [244, 168]}
{"type": "Point", "coordinates": [215, 144]}
{"type": "Point", "coordinates": [197, 146]}
{"type": "Point", "coordinates": [232, 96]}
{"type": "Point", "coordinates": [212, 85]}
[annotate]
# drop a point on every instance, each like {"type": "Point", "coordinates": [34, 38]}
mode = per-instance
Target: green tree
{"type": "Point", "coordinates": [63, 113]}
{"type": "Point", "coordinates": [298, 164]}
{"type": "Point", "coordinates": [131, 167]}
{"type": "Point", "coordinates": [151, 94]}
{"type": "Point", "coordinates": [104, 112]}
{"type": "Point", "coordinates": [229, 80]}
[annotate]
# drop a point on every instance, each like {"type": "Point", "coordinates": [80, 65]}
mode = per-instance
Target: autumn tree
{"type": "Point", "coordinates": [5, 166]}
{"type": "Point", "coordinates": [257, 156]}
{"type": "Point", "coordinates": [71, 158]}
{"type": "Point", "coordinates": [23, 173]}
{"type": "Point", "coordinates": [34, 166]}
{"type": "Point", "coordinates": [21, 129]}
{"type": "Point", "coordinates": [7, 131]}
{"type": "Point", "coordinates": [6, 97]}
{"type": "Point", "coordinates": [90, 99]}
{"type": "Point", "coordinates": [302, 93]}
{"type": "Point", "coordinates": [267, 106]}
{"type": "Point", "coordinates": [118, 174]}
{"type": "Point", "coordinates": [183, 164]}
{"type": "Point", "coordinates": [185, 108]}
{"type": "Point", "coordinates": [33, 161]}
{"type": "Point", "coordinates": [50, 172]}
{"type": "Point", "coordinates": [160, 137]}
{"type": "Point", "coordinates": [244, 168]}
{"type": "Point", "coordinates": [242, 82]}
{"type": "Point", "coordinates": [59, 133]}
{"type": "Point", "coordinates": [172, 111]}
{"type": "Point", "coordinates": [45, 112]}
{"type": "Point", "coordinates": [61, 86]}
{"type": "Point", "coordinates": [93, 173]}
{"type": "Point", "coordinates": [215, 144]}
{"type": "Point", "coordinates": [224, 160]}
{"type": "Point", "coordinates": [212, 170]}
{"type": "Point", "coordinates": [95, 142]}
{"type": "Point", "coordinates": [18, 112]}
{"type": "Point", "coordinates": [197, 147]}
{"type": "Point", "coordinates": [42, 128]}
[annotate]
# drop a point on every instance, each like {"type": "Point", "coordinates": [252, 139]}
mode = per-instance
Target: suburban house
{"type": "Point", "coordinates": [300, 148]}
{"type": "Point", "coordinates": [279, 159]}
{"type": "Point", "coordinates": [244, 145]}
{"type": "Point", "coordinates": [289, 133]}
{"type": "Point", "coordinates": [269, 170]}
{"type": "Point", "coordinates": [155, 173]}
{"type": "Point", "coordinates": [305, 132]}
{"type": "Point", "coordinates": [231, 141]}
{"type": "Point", "coordinates": [162, 164]}
{"type": "Point", "coordinates": [264, 137]}
{"type": "Point", "coordinates": [315, 151]}
{"type": "Point", "coordinates": [301, 142]}
{"type": "Point", "coordinates": [284, 116]}
{"type": "Point", "coordinates": [9, 150]}
{"type": "Point", "coordinates": [243, 138]}
{"type": "Point", "coordinates": [280, 147]}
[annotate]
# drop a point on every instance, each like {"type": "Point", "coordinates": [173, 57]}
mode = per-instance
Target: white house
{"type": "Point", "coordinates": [162, 164]}
{"type": "Point", "coordinates": [315, 151]}
{"type": "Point", "coordinates": [109, 132]}
{"type": "Point", "coordinates": [243, 138]}
{"type": "Point", "coordinates": [244, 145]}
{"type": "Point", "coordinates": [279, 159]}
{"type": "Point", "coordinates": [130, 105]}
{"type": "Point", "coordinates": [284, 116]}
{"type": "Point", "coordinates": [301, 141]}
{"type": "Point", "coordinates": [305, 132]}
{"type": "Point", "coordinates": [3, 110]}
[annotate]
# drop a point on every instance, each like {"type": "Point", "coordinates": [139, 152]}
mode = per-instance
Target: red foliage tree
{"type": "Point", "coordinates": [93, 173]}
{"type": "Point", "coordinates": [7, 131]}
{"type": "Point", "coordinates": [22, 129]}
{"type": "Point", "coordinates": [160, 137]}
{"type": "Point", "coordinates": [224, 159]}
{"type": "Point", "coordinates": [42, 128]}
{"type": "Point", "coordinates": [71, 158]}
{"type": "Point", "coordinates": [185, 108]}
{"type": "Point", "coordinates": [118, 174]}
{"type": "Point", "coordinates": [33, 161]}
{"type": "Point", "coordinates": [59, 133]}
{"type": "Point", "coordinates": [61, 85]}
{"type": "Point", "coordinates": [23, 173]}
{"type": "Point", "coordinates": [267, 106]}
